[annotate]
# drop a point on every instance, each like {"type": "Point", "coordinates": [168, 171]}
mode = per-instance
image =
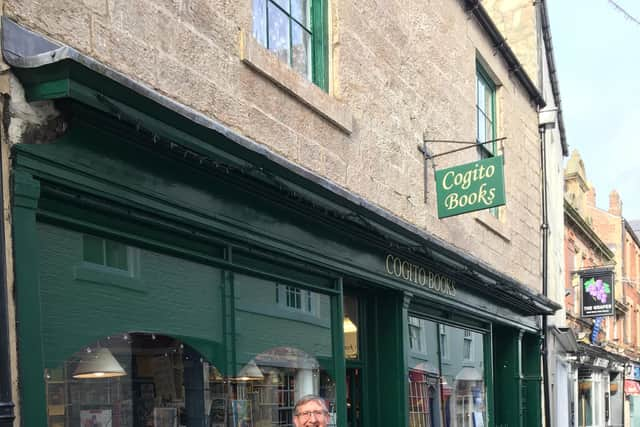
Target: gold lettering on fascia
{"type": "Point", "coordinates": [418, 275]}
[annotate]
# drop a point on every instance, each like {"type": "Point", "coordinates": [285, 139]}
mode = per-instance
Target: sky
{"type": "Point", "coordinates": [597, 54]}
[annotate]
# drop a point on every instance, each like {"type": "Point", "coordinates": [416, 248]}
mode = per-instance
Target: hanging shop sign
{"type": "Point", "coordinates": [632, 372]}
{"type": "Point", "coordinates": [470, 187]}
{"type": "Point", "coordinates": [597, 293]}
{"type": "Point", "coordinates": [418, 275]}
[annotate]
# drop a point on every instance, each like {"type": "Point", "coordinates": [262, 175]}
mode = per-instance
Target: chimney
{"type": "Point", "coordinates": [615, 204]}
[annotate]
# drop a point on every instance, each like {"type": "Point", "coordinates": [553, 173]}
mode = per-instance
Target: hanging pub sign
{"type": "Point", "coordinates": [597, 293]}
{"type": "Point", "coordinates": [470, 187]}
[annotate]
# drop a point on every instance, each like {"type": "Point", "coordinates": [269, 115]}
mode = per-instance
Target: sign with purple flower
{"type": "Point", "coordinates": [597, 293]}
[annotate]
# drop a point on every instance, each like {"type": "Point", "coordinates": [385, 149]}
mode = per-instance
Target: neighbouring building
{"type": "Point", "coordinates": [619, 235]}
{"type": "Point", "coordinates": [214, 208]}
{"type": "Point", "coordinates": [601, 243]}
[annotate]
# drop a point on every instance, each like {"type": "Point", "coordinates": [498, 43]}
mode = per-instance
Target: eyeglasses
{"type": "Point", "coordinates": [307, 414]}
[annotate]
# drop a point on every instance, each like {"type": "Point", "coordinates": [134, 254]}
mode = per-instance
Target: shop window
{"type": "Point", "coordinates": [295, 31]}
{"type": "Point", "coordinates": [486, 129]}
{"type": "Point", "coordinates": [142, 379]}
{"type": "Point", "coordinates": [485, 111]}
{"type": "Point", "coordinates": [282, 354]}
{"type": "Point", "coordinates": [450, 393]}
{"type": "Point", "coordinates": [136, 379]}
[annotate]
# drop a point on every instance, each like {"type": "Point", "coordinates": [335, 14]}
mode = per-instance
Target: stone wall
{"type": "Point", "coordinates": [517, 21]}
{"type": "Point", "coordinates": [398, 70]}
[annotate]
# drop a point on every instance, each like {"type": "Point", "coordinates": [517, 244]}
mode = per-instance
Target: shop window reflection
{"type": "Point", "coordinates": [136, 379]}
{"type": "Point", "coordinates": [142, 379]}
{"type": "Point", "coordinates": [281, 376]}
{"type": "Point", "coordinates": [446, 388]}
{"type": "Point", "coordinates": [289, 340]}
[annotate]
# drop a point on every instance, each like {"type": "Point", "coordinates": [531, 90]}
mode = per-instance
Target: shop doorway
{"type": "Point", "coordinates": [354, 397]}
{"type": "Point", "coordinates": [354, 357]}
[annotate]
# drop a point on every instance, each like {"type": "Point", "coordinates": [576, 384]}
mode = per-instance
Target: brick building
{"type": "Point", "coordinates": [608, 243]}
{"type": "Point", "coordinates": [216, 208]}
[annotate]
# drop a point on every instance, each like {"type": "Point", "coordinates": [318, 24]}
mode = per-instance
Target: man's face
{"type": "Point", "coordinates": [311, 414]}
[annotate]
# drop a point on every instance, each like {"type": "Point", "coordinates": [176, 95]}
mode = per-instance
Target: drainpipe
{"type": "Point", "coordinates": [6, 404]}
{"type": "Point", "coordinates": [544, 228]}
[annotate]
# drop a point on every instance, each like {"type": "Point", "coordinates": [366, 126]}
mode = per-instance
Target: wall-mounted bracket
{"type": "Point", "coordinates": [429, 156]}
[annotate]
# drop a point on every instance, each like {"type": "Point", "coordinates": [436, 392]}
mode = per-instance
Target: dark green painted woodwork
{"type": "Point", "coordinates": [27, 287]}
{"type": "Point", "coordinates": [210, 208]}
{"type": "Point", "coordinates": [489, 369]}
{"type": "Point", "coordinates": [507, 377]}
{"type": "Point", "coordinates": [386, 365]}
{"type": "Point", "coordinates": [339, 365]}
{"type": "Point", "coordinates": [532, 380]}
{"type": "Point", "coordinates": [319, 11]}
{"type": "Point", "coordinates": [68, 79]}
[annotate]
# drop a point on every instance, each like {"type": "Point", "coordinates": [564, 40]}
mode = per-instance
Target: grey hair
{"type": "Point", "coordinates": [310, 398]}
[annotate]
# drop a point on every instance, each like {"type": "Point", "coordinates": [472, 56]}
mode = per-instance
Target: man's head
{"type": "Point", "coordinates": [310, 411]}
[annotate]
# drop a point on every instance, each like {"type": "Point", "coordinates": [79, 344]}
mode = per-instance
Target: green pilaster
{"type": "Point", "coordinates": [337, 335]}
{"type": "Point", "coordinates": [489, 377]}
{"type": "Point", "coordinates": [532, 380]}
{"type": "Point", "coordinates": [387, 360]}
{"type": "Point", "coordinates": [229, 317]}
{"type": "Point", "coordinates": [26, 193]}
{"type": "Point", "coordinates": [507, 376]}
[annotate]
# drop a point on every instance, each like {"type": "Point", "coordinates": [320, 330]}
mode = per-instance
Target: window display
{"type": "Point", "coordinates": [142, 380]}
{"type": "Point", "coordinates": [446, 376]}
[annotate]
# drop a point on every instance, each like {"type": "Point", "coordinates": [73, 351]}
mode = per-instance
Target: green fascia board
{"type": "Point", "coordinates": [89, 88]}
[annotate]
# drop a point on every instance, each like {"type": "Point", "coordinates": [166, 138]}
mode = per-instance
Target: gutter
{"type": "Point", "coordinates": [500, 44]}
{"type": "Point", "coordinates": [555, 87]}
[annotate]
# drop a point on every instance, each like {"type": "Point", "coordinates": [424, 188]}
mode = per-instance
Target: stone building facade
{"type": "Point", "coordinates": [223, 204]}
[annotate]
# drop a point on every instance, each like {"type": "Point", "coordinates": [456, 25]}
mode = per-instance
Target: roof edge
{"type": "Point", "coordinates": [555, 86]}
{"type": "Point", "coordinates": [501, 45]}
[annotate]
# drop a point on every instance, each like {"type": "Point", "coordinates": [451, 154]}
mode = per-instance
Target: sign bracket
{"type": "Point", "coordinates": [430, 156]}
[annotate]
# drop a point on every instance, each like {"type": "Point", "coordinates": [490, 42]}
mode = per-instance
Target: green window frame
{"type": "Point", "coordinates": [485, 113]}
{"type": "Point", "coordinates": [296, 31]}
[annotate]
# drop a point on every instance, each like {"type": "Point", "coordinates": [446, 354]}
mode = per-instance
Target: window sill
{"type": "Point", "coordinates": [264, 62]}
{"type": "Point", "coordinates": [91, 273]}
{"type": "Point", "coordinates": [494, 225]}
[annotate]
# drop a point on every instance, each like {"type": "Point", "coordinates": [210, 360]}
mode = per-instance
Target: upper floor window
{"type": "Point", "coordinates": [467, 345]}
{"type": "Point", "coordinates": [415, 334]}
{"type": "Point", "coordinates": [295, 30]}
{"type": "Point", "coordinates": [297, 299]}
{"type": "Point", "coordinates": [444, 342]}
{"type": "Point", "coordinates": [108, 253]}
{"type": "Point", "coordinates": [485, 112]}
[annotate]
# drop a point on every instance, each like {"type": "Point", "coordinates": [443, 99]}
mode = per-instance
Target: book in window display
{"type": "Point", "coordinates": [241, 413]}
{"type": "Point", "coordinates": [96, 418]}
{"type": "Point", "coordinates": [218, 413]}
